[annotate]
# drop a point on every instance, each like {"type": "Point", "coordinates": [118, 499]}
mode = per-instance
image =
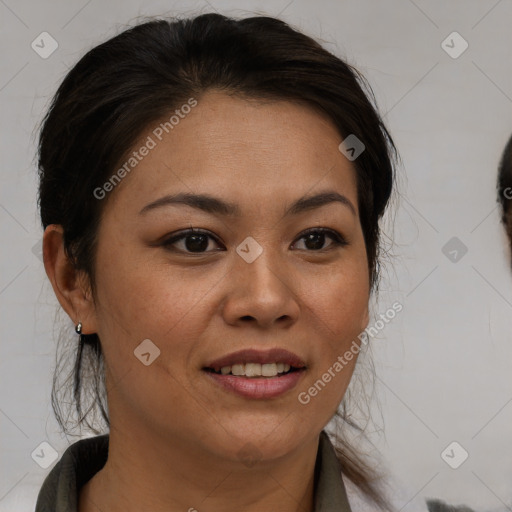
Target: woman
{"type": "Point", "coordinates": [211, 191]}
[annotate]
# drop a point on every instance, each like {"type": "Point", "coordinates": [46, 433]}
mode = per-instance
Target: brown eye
{"type": "Point", "coordinates": [314, 239]}
{"type": "Point", "coordinates": [192, 241]}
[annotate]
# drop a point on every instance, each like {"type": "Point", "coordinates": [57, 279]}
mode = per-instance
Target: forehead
{"type": "Point", "coordinates": [249, 150]}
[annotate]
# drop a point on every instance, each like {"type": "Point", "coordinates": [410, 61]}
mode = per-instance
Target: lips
{"type": "Point", "coordinates": [275, 355]}
{"type": "Point", "coordinates": [257, 374]}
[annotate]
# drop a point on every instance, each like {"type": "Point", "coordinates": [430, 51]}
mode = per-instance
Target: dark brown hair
{"type": "Point", "coordinates": [504, 187]}
{"type": "Point", "coordinates": [120, 87]}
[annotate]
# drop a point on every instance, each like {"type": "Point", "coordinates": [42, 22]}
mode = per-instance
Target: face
{"type": "Point", "coordinates": [251, 278]}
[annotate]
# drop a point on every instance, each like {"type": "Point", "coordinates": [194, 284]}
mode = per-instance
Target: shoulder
{"type": "Point", "coordinates": [440, 506]}
{"type": "Point", "coordinates": [78, 464]}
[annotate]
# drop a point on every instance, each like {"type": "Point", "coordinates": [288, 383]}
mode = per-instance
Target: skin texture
{"type": "Point", "coordinates": [175, 437]}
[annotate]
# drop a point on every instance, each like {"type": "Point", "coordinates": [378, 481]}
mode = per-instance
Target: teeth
{"type": "Point", "coordinates": [238, 369]}
{"type": "Point", "coordinates": [255, 369]}
{"type": "Point", "coordinates": [269, 370]}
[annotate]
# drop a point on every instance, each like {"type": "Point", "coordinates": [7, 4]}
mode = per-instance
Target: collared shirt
{"type": "Point", "coordinates": [84, 458]}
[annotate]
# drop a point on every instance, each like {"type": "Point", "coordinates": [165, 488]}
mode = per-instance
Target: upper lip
{"type": "Point", "coordinates": [275, 355]}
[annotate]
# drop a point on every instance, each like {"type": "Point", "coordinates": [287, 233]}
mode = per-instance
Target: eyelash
{"type": "Point", "coordinates": [337, 239]}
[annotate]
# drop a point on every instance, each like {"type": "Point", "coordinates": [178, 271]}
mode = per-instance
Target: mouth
{"type": "Point", "coordinates": [257, 363]}
{"type": "Point", "coordinates": [255, 370]}
{"type": "Point", "coordinates": [257, 374]}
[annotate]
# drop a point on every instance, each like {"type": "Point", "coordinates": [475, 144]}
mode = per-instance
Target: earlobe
{"type": "Point", "coordinates": [70, 286]}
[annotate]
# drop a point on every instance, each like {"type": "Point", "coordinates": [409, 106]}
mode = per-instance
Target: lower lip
{"type": "Point", "coordinates": [258, 387]}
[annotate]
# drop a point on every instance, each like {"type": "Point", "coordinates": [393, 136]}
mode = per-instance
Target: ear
{"type": "Point", "coordinates": [71, 287]}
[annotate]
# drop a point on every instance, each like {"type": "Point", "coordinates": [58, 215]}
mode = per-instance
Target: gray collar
{"type": "Point", "coordinates": [330, 493]}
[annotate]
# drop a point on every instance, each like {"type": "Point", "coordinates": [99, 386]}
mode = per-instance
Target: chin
{"type": "Point", "coordinates": [252, 441]}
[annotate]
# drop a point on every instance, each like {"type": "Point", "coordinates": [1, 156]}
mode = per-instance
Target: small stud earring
{"type": "Point", "coordinates": [78, 328]}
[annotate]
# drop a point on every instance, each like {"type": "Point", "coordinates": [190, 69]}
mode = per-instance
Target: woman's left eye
{"type": "Point", "coordinates": [197, 241]}
{"type": "Point", "coordinates": [316, 236]}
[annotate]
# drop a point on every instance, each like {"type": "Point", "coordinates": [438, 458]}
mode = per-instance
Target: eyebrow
{"type": "Point", "coordinates": [214, 205]}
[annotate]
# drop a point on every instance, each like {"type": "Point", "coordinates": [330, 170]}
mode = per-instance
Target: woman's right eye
{"type": "Point", "coordinates": [193, 241]}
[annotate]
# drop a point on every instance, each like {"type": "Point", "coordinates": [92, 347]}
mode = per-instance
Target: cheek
{"type": "Point", "coordinates": [339, 309]}
{"type": "Point", "coordinates": [339, 298]}
{"type": "Point", "coordinates": [139, 300]}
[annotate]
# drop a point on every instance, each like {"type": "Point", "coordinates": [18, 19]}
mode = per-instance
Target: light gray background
{"type": "Point", "coordinates": [443, 365]}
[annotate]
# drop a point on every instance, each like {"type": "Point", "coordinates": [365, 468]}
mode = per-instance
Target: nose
{"type": "Point", "coordinates": [262, 293]}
